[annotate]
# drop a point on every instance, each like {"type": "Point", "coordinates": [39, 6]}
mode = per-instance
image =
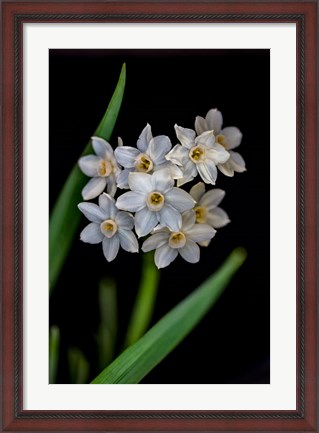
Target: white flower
{"type": "Point", "coordinates": [229, 137]}
{"type": "Point", "coordinates": [155, 200]}
{"type": "Point", "coordinates": [206, 208]}
{"type": "Point", "coordinates": [148, 157]}
{"type": "Point", "coordinates": [108, 225]}
{"type": "Point", "coordinates": [184, 241]}
{"type": "Point", "coordinates": [102, 167]}
{"type": "Point", "coordinates": [200, 154]}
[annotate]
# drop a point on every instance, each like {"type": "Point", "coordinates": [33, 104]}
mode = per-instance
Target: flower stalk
{"type": "Point", "coordinates": [145, 300]}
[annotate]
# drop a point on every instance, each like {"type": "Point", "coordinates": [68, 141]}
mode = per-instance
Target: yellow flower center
{"type": "Point", "coordinates": [177, 240]}
{"type": "Point", "coordinates": [144, 163]}
{"type": "Point", "coordinates": [108, 228]}
{"type": "Point", "coordinates": [155, 201]}
{"type": "Point", "coordinates": [197, 154]}
{"type": "Point", "coordinates": [201, 214]}
{"type": "Point", "coordinates": [105, 168]}
{"type": "Point", "coordinates": [220, 139]}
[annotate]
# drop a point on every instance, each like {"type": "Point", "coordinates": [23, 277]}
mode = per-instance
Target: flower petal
{"type": "Point", "coordinates": [111, 185]}
{"type": "Point", "coordinates": [217, 154]}
{"type": "Point", "coordinates": [128, 241]}
{"type": "Point", "coordinates": [155, 241]}
{"type": "Point", "coordinates": [94, 187]}
{"type": "Point", "coordinates": [144, 138]}
{"type": "Point", "coordinates": [237, 162]}
{"type": "Point", "coordinates": [200, 125]}
{"type": "Point", "coordinates": [122, 179]}
{"type": "Point", "coordinates": [158, 147]}
{"type": "Point", "coordinates": [197, 191]}
{"type": "Point", "coordinates": [178, 155]}
{"type": "Point", "coordinates": [204, 243]}
{"type": "Point", "coordinates": [126, 156]}
{"type": "Point", "coordinates": [201, 232]}
{"type": "Point", "coordinates": [217, 218]}
{"type": "Point", "coordinates": [186, 136]}
{"type": "Point", "coordinates": [107, 204]}
{"type": "Point", "coordinates": [214, 120]}
{"type": "Point", "coordinates": [232, 136]}
{"type": "Point", "coordinates": [179, 199]}
{"type": "Point", "coordinates": [145, 221]}
{"type": "Point", "coordinates": [124, 220]}
{"type": "Point", "coordinates": [212, 198]}
{"type": "Point", "coordinates": [92, 212]}
{"type": "Point", "coordinates": [188, 220]}
{"type": "Point", "coordinates": [175, 172]}
{"type": "Point", "coordinates": [161, 181]}
{"type": "Point", "coordinates": [226, 169]}
{"type": "Point", "coordinates": [140, 182]}
{"type": "Point", "coordinates": [92, 234]}
{"type": "Point", "coordinates": [170, 217]}
{"type": "Point", "coordinates": [102, 147]}
{"type": "Point", "coordinates": [207, 138]}
{"type": "Point", "coordinates": [164, 255]}
{"type": "Point", "coordinates": [111, 247]}
{"type": "Point", "coordinates": [89, 165]}
{"type": "Point", "coordinates": [190, 252]}
{"type": "Point", "coordinates": [131, 201]}
{"type": "Point", "coordinates": [190, 171]}
{"type": "Point", "coordinates": [208, 171]}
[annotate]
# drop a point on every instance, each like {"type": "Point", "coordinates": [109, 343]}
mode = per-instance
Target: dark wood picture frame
{"type": "Point", "coordinates": [305, 417]}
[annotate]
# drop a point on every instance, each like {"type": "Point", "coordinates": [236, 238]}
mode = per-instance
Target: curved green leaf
{"type": "Point", "coordinates": [65, 217]}
{"type": "Point", "coordinates": [139, 359]}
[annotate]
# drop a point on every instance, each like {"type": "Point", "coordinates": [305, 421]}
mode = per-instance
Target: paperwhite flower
{"type": "Point", "coordinates": [155, 200]}
{"type": "Point", "coordinates": [148, 157]}
{"type": "Point", "coordinates": [102, 167]}
{"type": "Point", "coordinates": [206, 208]}
{"type": "Point", "coordinates": [184, 241]}
{"type": "Point", "coordinates": [197, 155]}
{"type": "Point", "coordinates": [108, 225]}
{"type": "Point", "coordinates": [229, 137]}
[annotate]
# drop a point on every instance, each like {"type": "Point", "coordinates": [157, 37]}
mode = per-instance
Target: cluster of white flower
{"type": "Point", "coordinates": [177, 221]}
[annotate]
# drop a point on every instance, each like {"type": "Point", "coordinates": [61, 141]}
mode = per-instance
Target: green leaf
{"type": "Point", "coordinates": [65, 217]}
{"type": "Point", "coordinates": [79, 366]}
{"type": "Point", "coordinates": [107, 330]}
{"type": "Point", "coordinates": [54, 348]}
{"type": "Point", "coordinates": [145, 300]}
{"type": "Point", "coordinates": [139, 359]}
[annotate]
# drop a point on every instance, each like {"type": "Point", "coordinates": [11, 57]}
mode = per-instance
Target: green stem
{"type": "Point", "coordinates": [145, 300]}
{"type": "Point", "coordinates": [54, 348]}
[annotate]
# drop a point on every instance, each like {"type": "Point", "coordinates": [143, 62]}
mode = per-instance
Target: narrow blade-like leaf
{"type": "Point", "coordinates": [65, 217]}
{"type": "Point", "coordinates": [139, 359]}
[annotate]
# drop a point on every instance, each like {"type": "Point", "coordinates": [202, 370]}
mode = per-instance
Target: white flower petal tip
{"type": "Point", "coordinates": [93, 188]}
{"type": "Point", "coordinates": [186, 136]}
{"type": "Point", "coordinates": [91, 234]}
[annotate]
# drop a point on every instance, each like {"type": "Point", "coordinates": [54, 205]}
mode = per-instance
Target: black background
{"type": "Point", "coordinates": [164, 87]}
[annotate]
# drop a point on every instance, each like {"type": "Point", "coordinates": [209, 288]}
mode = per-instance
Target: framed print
{"type": "Point", "coordinates": [159, 199]}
